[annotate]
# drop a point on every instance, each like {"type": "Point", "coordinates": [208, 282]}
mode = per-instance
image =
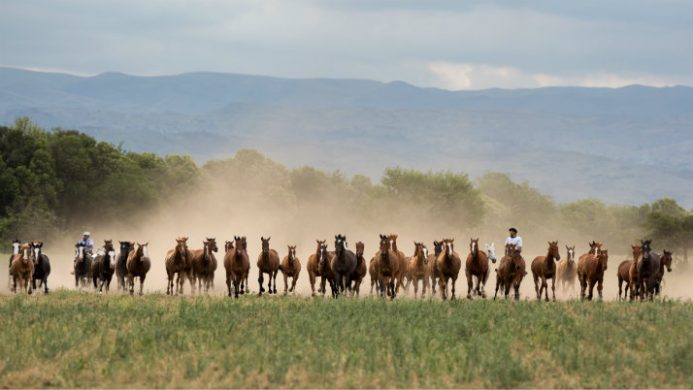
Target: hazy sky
{"type": "Point", "coordinates": [450, 44]}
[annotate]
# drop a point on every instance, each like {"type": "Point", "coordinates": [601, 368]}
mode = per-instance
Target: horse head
{"type": "Point", "coordinates": [553, 250]}
{"type": "Point", "coordinates": [393, 241]}
{"type": "Point", "coordinates": [449, 246]}
{"type": "Point", "coordinates": [603, 257]}
{"type": "Point", "coordinates": [637, 251]}
{"type": "Point", "coordinates": [323, 256]}
{"type": "Point", "coordinates": [474, 247]}
{"type": "Point", "coordinates": [26, 252]}
{"type": "Point", "coordinates": [228, 245]}
{"type": "Point", "coordinates": [142, 250]}
{"type": "Point", "coordinates": [359, 250]}
{"type": "Point", "coordinates": [292, 253]}
{"type": "Point", "coordinates": [265, 245]}
{"type": "Point", "coordinates": [645, 247]}
{"type": "Point", "coordinates": [491, 252]}
{"type": "Point", "coordinates": [437, 247]}
{"type": "Point", "coordinates": [36, 247]}
{"type": "Point", "coordinates": [340, 244]}
{"type": "Point", "coordinates": [421, 251]}
{"type": "Point", "coordinates": [667, 259]}
{"type": "Point", "coordinates": [385, 245]}
{"type": "Point", "coordinates": [125, 246]}
{"type": "Point", "coordinates": [319, 242]}
{"type": "Point", "coordinates": [210, 244]}
{"type": "Point", "coordinates": [571, 253]}
{"type": "Point", "coordinates": [79, 251]}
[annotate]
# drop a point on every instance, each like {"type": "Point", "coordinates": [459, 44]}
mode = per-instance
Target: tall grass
{"type": "Point", "coordinates": [69, 339]}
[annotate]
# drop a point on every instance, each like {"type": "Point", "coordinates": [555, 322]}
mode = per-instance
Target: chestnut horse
{"type": "Point", "coordinates": [103, 267]}
{"type": "Point", "coordinates": [343, 264]}
{"type": "Point", "coordinates": [567, 269]}
{"type": "Point", "coordinates": [624, 273]}
{"type": "Point", "coordinates": [543, 268]}
{"type": "Point", "coordinates": [15, 249]}
{"type": "Point", "coordinates": [590, 269]}
{"type": "Point", "coordinates": [510, 271]}
{"type": "Point", "coordinates": [448, 266]}
{"type": "Point", "coordinates": [138, 264]}
{"type": "Point", "coordinates": [22, 269]}
{"type": "Point", "coordinates": [403, 266]}
{"type": "Point", "coordinates": [664, 262]}
{"type": "Point", "coordinates": [419, 268]}
{"type": "Point", "coordinates": [42, 266]}
{"type": "Point", "coordinates": [313, 267]}
{"type": "Point", "coordinates": [176, 261]}
{"type": "Point", "coordinates": [387, 265]}
{"type": "Point", "coordinates": [291, 268]}
{"type": "Point", "coordinates": [372, 270]}
{"type": "Point", "coordinates": [476, 266]}
{"type": "Point", "coordinates": [121, 263]}
{"type": "Point", "coordinates": [437, 250]}
{"type": "Point", "coordinates": [237, 265]}
{"type": "Point", "coordinates": [203, 265]}
{"type": "Point", "coordinates": [268, 263]}
{"type": "Point", "coordinates": [360, 271]}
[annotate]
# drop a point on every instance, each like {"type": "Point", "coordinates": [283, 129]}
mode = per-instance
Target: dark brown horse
{"type": "Point", "coordinates": [448, 266]}
{"type": "Point", "coordinates": [291, 268]}
{"type": "Point", "coordinates": [268, 263]}
{"type": "Point", "coordinates": [103, 267]}
{"type": "Point", "coordinates": [343, 264]}
{"type": "Point", "coordinates": [591, 269]}
{"type": "Point", "coordinates": [648, 266]}
{"type": "Point", "coordinates": [22, 269]}
{"type": "Point", "coordinates": [419, 269]}
{"type": "Point", "coordinates": [203, 265]}
{"type": "Point", "coordinates": [176, 261]}
{"type": "Point", "coordinates": [121, 263]}
{"type": "Point", "coordinates": [624, 271]}
{"type": "Point", "coordinates": [510, 272]}
{"type": "Point", "coordinates": [664, 262]}
{"type": "Point", "coordinates": [387, 267]}
{"type": "Point", "coordinates": [543, 268]}
{"type": "Point", "coordinates": [566, 274]}
{"type": "Point", "coordinates": [42, 266]}
{"type": "Point", "coordinates": [82, 266]}
{"type": "Point", "coordinates": [138, 264]}
{"type": "Point", "coordinates": [360, 271]}
{"type": "Point", "coordinates": [237, 265]}
{"type": "Point", "coordinates": [476, 266]}
{"type": "Point", "coordinates": [325, 270]}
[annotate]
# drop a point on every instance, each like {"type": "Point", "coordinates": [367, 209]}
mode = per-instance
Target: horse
{"type": "Point", "coordinates": [566, 273]}
{"type": "Point", "coordinates": [477, 266]}
{"type": "Point", "coordinates": [237, 265]}
{"type": "Point", "coordinates": [623, 273]}
{"type": "Point", "coordinates": [590, 270]}
{"type": "Point", "coordinates": [325, 270]}
{"type": "Point", "coordinates": [510, 271]}
{"type": "Point", "coordinates": [360, 270]}
{"type": "Point", "coordinates": [648, 267]}
{"type": "Point", "coordinates": [176, 262]}
{"type": "Point", "coordinates": [103, 267]}
{"type": "Point", "coordinates": [437, 250]}
{"type": "Point", "coordinates": [387, 267]}
{"type": "Point", "coordinates": [15, 249]}
{"type": "Point", "coordinates": [448, 266]}
{"type": "Point", "coordinates": [543, 268]}
{"type": "Point", "coordinates": [82, 265]}
{"type": "Point", "coordinates": [343, 264]}
{"type": "Point", "coordinates": [664, 262]}
{"type": "Point", "coordinates": [313, 267]}
{"type": "Point", "coordinates": [42, 266]}
{"type": "Point", "coordinates": [203, 265]}
{"type": "Point", "coordinates": [402, 258]}
{"type": "Point", "coordinates": [121, 269]}
{"type": "Point", "coordinates": [291, 268]}
{"type": "Point", "coordinates": [419, 269]}
{"type": "Point", "coordinates": [268, 263]}
{"type": "Point", "coordinates": [138, 264]}
{"type": "Point", "coordinates": [22, 269]}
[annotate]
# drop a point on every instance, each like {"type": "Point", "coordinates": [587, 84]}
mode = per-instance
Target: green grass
{"type": "Point", "coordinates": [70, 339]}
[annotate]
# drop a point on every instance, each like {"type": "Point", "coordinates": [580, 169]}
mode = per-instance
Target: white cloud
{"type": "Point", "coordinates": [456, 76]}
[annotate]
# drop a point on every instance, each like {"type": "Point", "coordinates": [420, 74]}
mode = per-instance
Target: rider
{"type": "Point", "coordinates": [87, 242]}
{"type": "Point", "coordinates": [514, 239]}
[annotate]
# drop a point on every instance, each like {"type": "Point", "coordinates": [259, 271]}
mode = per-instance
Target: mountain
{"type": "Point", "coordinates": [627, 145]}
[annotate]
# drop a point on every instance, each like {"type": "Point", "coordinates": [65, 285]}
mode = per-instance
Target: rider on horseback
{"type": "Point", "coordinates": [88, 245]}
{"type": "Point", "coordinates": [514, 239]}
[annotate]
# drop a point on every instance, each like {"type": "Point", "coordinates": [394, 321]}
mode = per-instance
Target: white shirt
{"type": "Point", "coordinates": [517, 241]}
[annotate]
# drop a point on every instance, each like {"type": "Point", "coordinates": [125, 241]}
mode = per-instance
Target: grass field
{"type": "Point", "coordinates": [69, 339]}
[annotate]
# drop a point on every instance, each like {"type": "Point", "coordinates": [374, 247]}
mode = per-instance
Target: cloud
{"type": "Point", "coordinates": [457, 76]}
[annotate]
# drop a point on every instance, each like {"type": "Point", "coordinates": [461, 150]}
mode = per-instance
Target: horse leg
{"type": "Point", "coordinates": [274, 282]}
{"type": "Point", "coordinates": [286, 283]}
{"type": "Point", "coordinates": [131, 284]}
{"type": "Point", "coordinates": [600, 283]}
{"type": "Point", "coordinates": [545, 286]}
{"type": "Point", "coordinates": [260, 280]}
{"type": "Point", "coordinates": [293, 283]}
{"type": "Point", "coordinates": [553, 289]}
{"type": "Point", "coordinates": [442, 286]}
{"type": "Point", "coordinates": [142, 284]}
{"type": "Point", "coordinates": [590, 293]}
{"type": "Point", "coordinates": [537, 287]}
{"type": "Point", "coordinates": [470, 284]}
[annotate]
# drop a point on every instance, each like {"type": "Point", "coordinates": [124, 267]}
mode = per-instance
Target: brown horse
{"type": "Point", "coordinates": [403, 260]}
{"type": "Point", "coordinates": [203, 265]}
{"type": "Point", "coordinates": [176, 261]}
{"type": "Point", "coordinates": [22, 269]}
{"type": "Point", "coordinates": [138, 264]}
{"type": "Point", "coordinates": [591, 269]}
{"type": "Point", "coordinates": [543, 268]}
{"type": "Point", "coordinates": [437, 250]}
{"type": "Point", "coordinates": [237, 265]}
{"type": "Point", "coordinates": [268, 263]}
{"type": "Point", "coordinates": [313, 267]}
{"type": "Point", "coordinates": [664, 262]}
{"type": "Point", "coordinates": [325, 270]}
{"type": "Point", "coordinates": [624, 272]}
{"type": "Point", "coordinates": [360, 271]}
{"type": "Point", "coordinates": [476, 266]}
{"type": "Point", "coordinates": [566, 274]}
{"type": "Point", "coordinates": [372, 270]}
{"type": "Point", "coordinates": [510, 271]}
{"type": "Point", "coordinates": [448, 266]}
{"type": "Point", "coordinates": [291, 268]}
{"type": "Point", "coordinates": [387, 263]}
{"type": "Point", "coordinates": [82, 265]}
{"type": "Point", "coordinates": [419, 268]}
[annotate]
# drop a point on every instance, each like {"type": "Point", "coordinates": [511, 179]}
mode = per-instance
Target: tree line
{"type": "Point", "coordinates": [57, 180]}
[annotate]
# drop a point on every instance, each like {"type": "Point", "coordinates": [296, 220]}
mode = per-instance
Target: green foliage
{"type": "Point", "coordinates": [69, 339]}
